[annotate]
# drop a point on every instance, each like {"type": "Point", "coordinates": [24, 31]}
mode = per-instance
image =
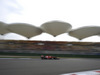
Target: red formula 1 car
{"type": "Point", "coordinates": [48, 57]}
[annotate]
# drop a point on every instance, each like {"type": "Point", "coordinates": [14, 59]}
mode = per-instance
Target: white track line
{"type": "Point", "coordinates": [92, 72]}
{"type": "Point", "coordinates": [15, 58]}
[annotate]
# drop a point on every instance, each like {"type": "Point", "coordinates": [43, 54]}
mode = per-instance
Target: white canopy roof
{"type": "Point", "coordinates": [84, 32]}
{"type": "Point", "coordinates": [3, 29]}
{"type": "Point", "coordinates": [56, 27]}
{"type": "Point", "coordinates": [24, 29]}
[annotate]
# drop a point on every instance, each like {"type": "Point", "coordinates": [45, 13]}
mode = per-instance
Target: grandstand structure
{"type": "Point", "coordinates": [53, 28]}
{"type": "Point", "coordinates": [50, 47]}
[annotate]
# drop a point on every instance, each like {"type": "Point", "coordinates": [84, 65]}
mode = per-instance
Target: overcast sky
{"type": "Point", "coordinates": [76, 12]}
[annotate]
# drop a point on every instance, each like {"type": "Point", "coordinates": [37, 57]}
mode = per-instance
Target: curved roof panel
{"type": "Point", "coordinates": [85, 32]}
{"type": "Point", "coordinates": [24, 29]}
{"type": "Point", "coordinates": [56, 27]}
{"type": "Point", "coordinates": [3, 29]}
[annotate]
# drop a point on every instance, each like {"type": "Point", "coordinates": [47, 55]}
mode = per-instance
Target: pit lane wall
{"type": "Point", "coordinates": [50, 47]}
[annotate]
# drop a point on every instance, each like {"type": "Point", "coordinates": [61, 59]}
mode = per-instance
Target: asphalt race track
{"type": "Point", "coordinates": [47, 67]}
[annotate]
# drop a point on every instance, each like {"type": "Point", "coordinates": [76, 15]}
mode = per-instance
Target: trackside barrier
{"type": "Point", "coordinates": [52, 54]}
